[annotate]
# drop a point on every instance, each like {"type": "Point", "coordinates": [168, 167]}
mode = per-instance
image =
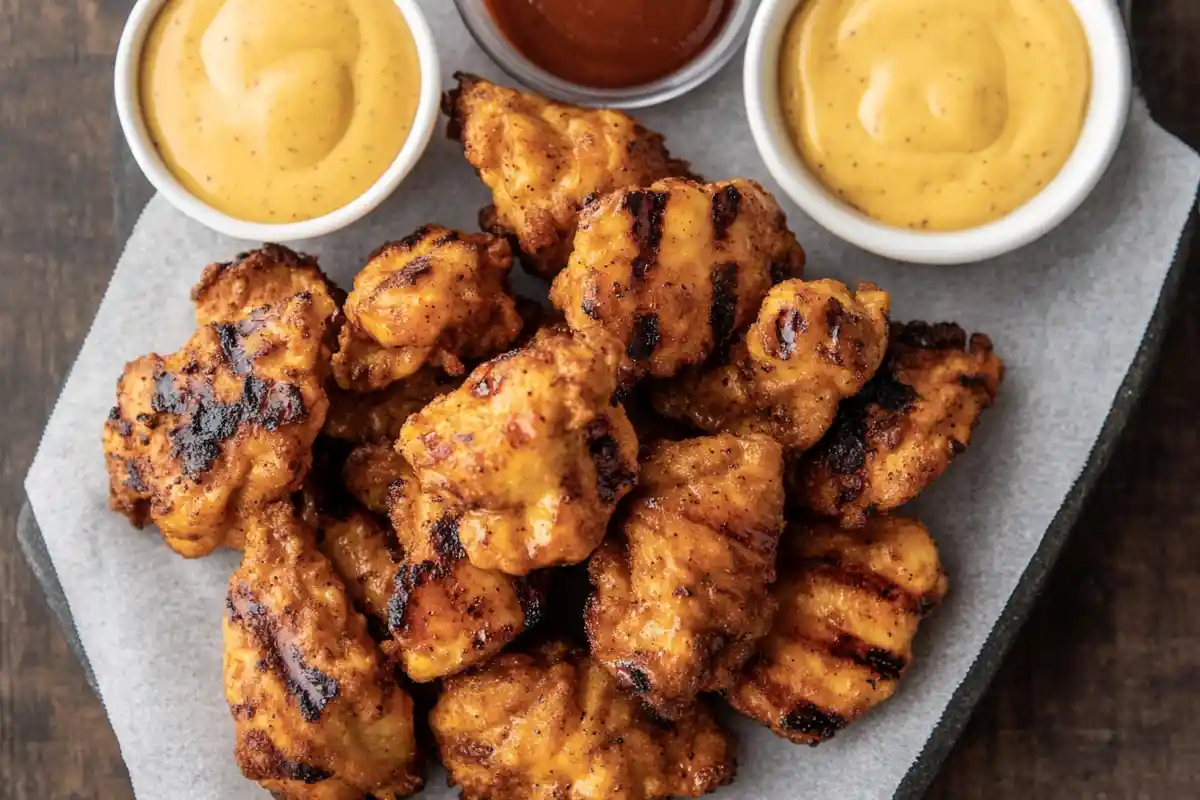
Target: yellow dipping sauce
{"type": "Point", "coordinates": [279, 110]}
{"type": "Point", "coordinates": [935, 114]}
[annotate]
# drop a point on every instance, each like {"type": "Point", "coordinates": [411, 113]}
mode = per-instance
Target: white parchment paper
{"type": "Point", "coordinates": [1066, 314]}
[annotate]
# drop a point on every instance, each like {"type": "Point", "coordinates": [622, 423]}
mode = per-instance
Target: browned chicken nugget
{"type": "Point", "coordinates": [201, 439]}
{"type": "Point", "coordinates": [849, 605]}
{"type": "Point", "coordinates": [442, 613]}
{"type": "Point", "coordinates": [366, 556]}
{"type": "Point", "coordinates": [813, 344]}
{"type": "Point", "coordinates": [681, 593]}
{"type": "Point", "coordinates": [533, 450]}
{"type": "Point", "coordinates": [316, 711]}
{"type": "Point", "coordinates": [901, 432]}
{"type": "Point", "coordinates": [437, 297]}
{"type": "Point", "coordinates": [445, 614]}
{"type": "Point", "coordinates": [554, 725]}
{"type": "Point", "coordinates": [229, 291]}
{"type": "Point", "coordinates": [541, 159]}
{"type": "Point", "coordinates": [378, 416]}
{"type": "Point", "coordinates": [673, 271]}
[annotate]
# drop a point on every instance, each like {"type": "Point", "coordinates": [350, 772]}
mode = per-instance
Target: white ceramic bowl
{"type": "Point", "coordinates": [129, 111]}
{"type": "Point", "coordinates": [488, 36]}
{"type": "Point", "coordinates": [1108, 108]}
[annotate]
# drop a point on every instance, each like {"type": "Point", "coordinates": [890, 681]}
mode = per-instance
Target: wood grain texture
{"type": "Point", "coordinates": [1096, 699]}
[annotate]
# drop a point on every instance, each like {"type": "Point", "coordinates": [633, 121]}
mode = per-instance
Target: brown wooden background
{"type": "Point", "coordinates": [1100, 697]}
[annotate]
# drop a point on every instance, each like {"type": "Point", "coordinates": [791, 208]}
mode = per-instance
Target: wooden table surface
{"type": "Point", "coordinates": [1099, 698]}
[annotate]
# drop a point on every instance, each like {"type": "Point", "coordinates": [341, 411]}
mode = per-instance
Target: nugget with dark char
{"type": "Point", "coordinates": [675, 270]}
{"type": "Point", "coordinates": [442, 613]}
{"type": "Point", "coordinates": [436, 297]}
{"type": "Point", "coordinates": [552, 724]}
{"type": "Point", "coordinates": [317, 713]}
{"type": "Point", "coordinates": [201, 439]}
{"type": "Point", "coordinates": [378, 416]}
{"type": "Point", "coordinates": [849, 605]}
{"type": "Point", "coordinates": [445, 614]}
{"type": "Point", "coordinates": [681, 593]}
{"type": "Point", "coordinates": [813, 344]}
{"type": "Point", "coordinates": [533, 450]}
{"type": "Point", "coordinates": [903, 429]}
{"type": "Point", "coordinates": [542, 159]}
{"type": "Point", "coordinates": [229, 291]}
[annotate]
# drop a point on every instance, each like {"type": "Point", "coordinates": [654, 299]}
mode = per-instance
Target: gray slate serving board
{"type": "Point", "coordinates": [131, 192]}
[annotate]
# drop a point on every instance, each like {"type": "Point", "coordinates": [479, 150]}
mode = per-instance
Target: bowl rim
{"type": "Point", "coordinates": [126, 78]}
{"type": "Point", "coordinates": [1104, 122]}
{"type": "Point", "coordinates": [720, 51]}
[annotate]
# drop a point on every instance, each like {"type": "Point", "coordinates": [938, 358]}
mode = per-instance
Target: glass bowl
{"type": "Point", "coordinates": [718, 53]}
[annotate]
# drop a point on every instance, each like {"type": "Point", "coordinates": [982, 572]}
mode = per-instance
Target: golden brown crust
{"type": "Point", "coordinates": [901, 432]}
{"type": "Point", "coordinates": [229, 291]}
{"type": "Point", "coordinates": [437, 297]}
{"type": "Point", "coordinates": [675, 270]}
{"type": "Point", "coordinates": [442, 614]}
{"type": "Point", "coordinates": [681, 593]}
{"type": "Point", "coordinates": [202, 438]}
{"type": "Point", "coordinates": [813, 344]}
{"type": "Point", "coordinates": [445, 614]}
{"type": "Point", "coordinates": [366, 556]}
{"type": "Point", "coordinates": [532, 449]}
{"type": "Point", "coordinates": [849, 605]}
{"type": "Point", "coordinates": [313, 703]}
{"type": "Point", "coordinates": [554, 725]}
{"type": "Point", "coordinates": [542, 159]}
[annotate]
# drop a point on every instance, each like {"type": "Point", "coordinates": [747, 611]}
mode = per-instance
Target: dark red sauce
{"type": "Point", "coordinates": [610, 44]}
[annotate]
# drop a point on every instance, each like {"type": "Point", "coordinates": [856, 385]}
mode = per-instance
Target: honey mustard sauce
{"type": "Point", "coordinates": [279, 110]}
{"type": "Point", "coordinates": [935, 114]}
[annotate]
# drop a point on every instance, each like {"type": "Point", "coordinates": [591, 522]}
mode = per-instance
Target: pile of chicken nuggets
{"type": "Point", "coordinates": [556, 537]}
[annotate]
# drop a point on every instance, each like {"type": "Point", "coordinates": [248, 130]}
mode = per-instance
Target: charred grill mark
{"type": "Point", "coordinates": [632, 676]}
{"type": "Point", "coordinates": [809, 720]}
{"type": "Point", "coordinates": [924, 336]}
{"type": "Point", "coordinates": [312, 688]}
{"type": "Point", "coordinates": [277, 765]}
{"type": "Point", "coordinates": [449, 237]}
{"type": "Point", "coordinates": [444, 537]}
{"type": "Point", "coordinates": [133, 476]}
{"type": "Point", "coordinates": [647, 209]}
{"type": "Point", "coordinates": [722, 314]}
{"type": "Point", "coordinates": [789, 324]}
{"type": "Point", "coordinates": [232, 348]}
{"type": "Point", "coordinates": [845, 445]}
{"type": "Point", "coordinates": [885, 664]}
{"type": "Point", "coordinates": [725, 204]}
{"type": "Point", "coordinates": [831, 568]}
{"type": "Point", "coordinates": [166, 398]}
{"type": "Point", "coordinates": [407, 275]}
{"type": "Point", "coordinates": [207, 423]}
{"type": "Point", "coordinates": [644, 338]}
{"type": "Point", "coordinates": [611, 474]}
{"type": "Point", "coordinates": [409, 578]}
